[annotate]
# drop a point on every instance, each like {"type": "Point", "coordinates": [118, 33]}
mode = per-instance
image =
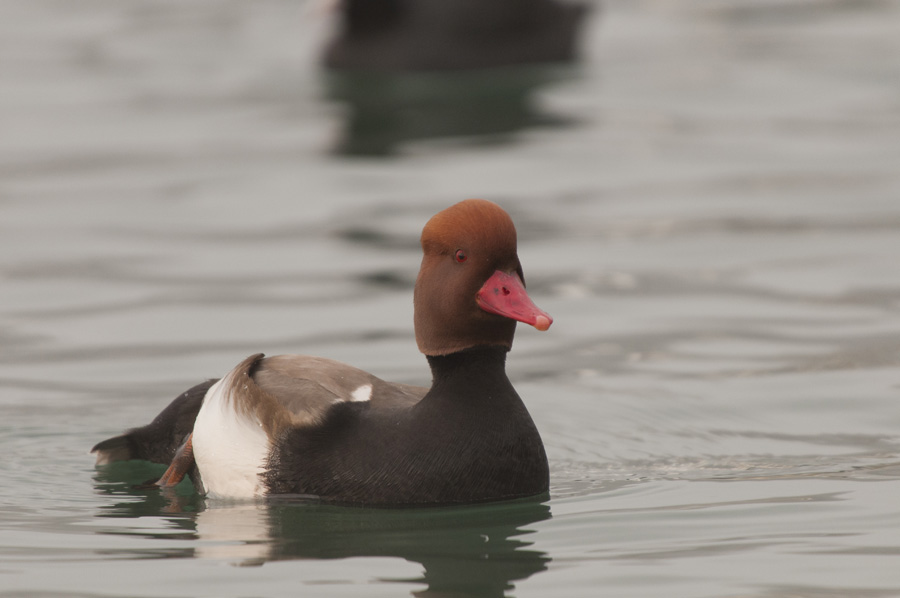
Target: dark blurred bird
{"type": "Point", "coordinates": [436, 35]}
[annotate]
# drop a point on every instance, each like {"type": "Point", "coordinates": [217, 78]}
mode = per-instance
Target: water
{"type": "Point", "coordinates": [709, 206]}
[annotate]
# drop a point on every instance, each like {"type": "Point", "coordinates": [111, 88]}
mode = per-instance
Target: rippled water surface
{"type": "Point", "coordinates": [708, 204]}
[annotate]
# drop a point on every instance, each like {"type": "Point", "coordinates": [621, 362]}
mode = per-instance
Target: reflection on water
{"type": "Point", "coordinates": [386, 110]}
{"type": "Point", "coordinates": [125, 481]}
{"type": "Point", "coordinates": [465, 551]}
{"type": "Point", "coordinates": [474, 551]}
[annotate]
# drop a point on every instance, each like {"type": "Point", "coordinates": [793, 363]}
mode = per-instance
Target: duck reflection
{"type": "Point", "coordinates": [476, 550]}
{"type": "Point", "coordinates": [387, 110]}
{"type": "Point", "coordinates": [446, 68]}
{"type": "Point", "coordinates": [470, 551]}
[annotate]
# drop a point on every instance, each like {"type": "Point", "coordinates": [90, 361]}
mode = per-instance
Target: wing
{"type": "Point", "coordinates": [307, 386]}
{"type": "Point", "coordinates": [296, 389]}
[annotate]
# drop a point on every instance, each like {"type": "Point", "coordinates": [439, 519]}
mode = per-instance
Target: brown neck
{"type": "Point", "coordinates": [444, 340]}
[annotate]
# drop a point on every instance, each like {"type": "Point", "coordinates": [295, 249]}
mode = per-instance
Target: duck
{"type": "Point", "coordinates": [441, 35]}
{"type": "Point", "coordinates": [317, 428]}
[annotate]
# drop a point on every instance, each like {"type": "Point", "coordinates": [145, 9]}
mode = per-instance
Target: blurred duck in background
{"type": "Point", "coordinates": [411, 70]}
{"type": "Point", "coordinates": [429, 35]}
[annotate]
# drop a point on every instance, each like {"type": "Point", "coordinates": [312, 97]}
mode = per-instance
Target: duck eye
{"type": "Point", "coordinates": [461, 256]}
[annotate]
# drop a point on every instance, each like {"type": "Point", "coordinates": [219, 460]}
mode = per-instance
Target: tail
{"type": "Point", "coordinates": [159, 440]}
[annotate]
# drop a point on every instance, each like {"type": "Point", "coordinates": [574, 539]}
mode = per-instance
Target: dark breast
{"type": "Point", "coordinates": [361, 455]}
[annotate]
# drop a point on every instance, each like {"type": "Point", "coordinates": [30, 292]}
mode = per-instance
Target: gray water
{"type": "Point", "coordinates": [708, 204]}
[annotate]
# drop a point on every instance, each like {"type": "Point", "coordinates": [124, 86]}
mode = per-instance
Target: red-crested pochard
{"type": "Point", "coordinates": [294, 424]}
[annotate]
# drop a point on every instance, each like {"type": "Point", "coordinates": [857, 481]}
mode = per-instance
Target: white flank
{"type": "Point", "coordinates": [230, 448]}
{"type": "Point", "coordinates": [102, 458]}
{"type": "Point", "coordinates": [363, 393]}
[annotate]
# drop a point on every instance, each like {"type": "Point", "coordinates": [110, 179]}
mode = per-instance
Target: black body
{"type": "Point", "coordinates": [470, 439]}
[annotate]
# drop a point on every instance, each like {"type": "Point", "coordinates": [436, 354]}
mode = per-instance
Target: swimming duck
{"type": "Point", "coordinates": [303, 425]}
{"type": "Point", "coordinates": [430, 35]}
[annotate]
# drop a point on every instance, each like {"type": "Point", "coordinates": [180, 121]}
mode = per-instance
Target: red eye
{"type": "Point", "coordinates": [461, 256]}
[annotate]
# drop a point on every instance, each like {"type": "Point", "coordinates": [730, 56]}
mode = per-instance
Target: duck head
{"type": "Point", "coordinates": [470, 290]}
